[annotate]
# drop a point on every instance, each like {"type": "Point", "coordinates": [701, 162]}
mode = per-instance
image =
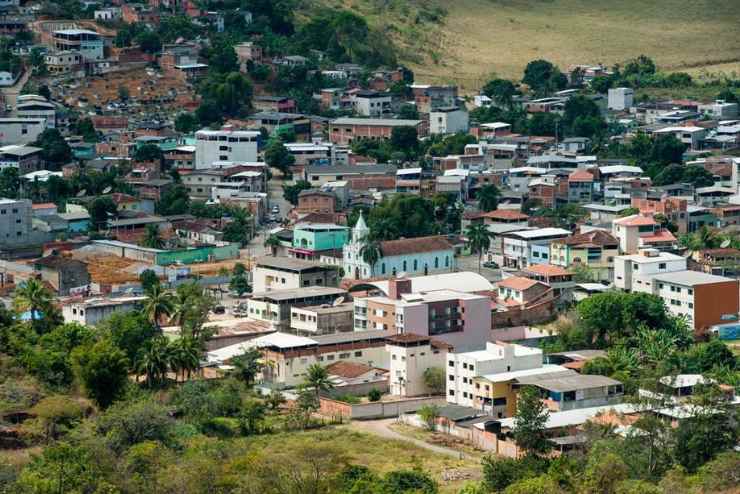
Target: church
{"type": "Point", "coordinates": [412, 256]}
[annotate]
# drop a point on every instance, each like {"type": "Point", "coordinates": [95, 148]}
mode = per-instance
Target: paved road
{"type": "Point", "coordinates": [382, 428]}
{"type": "Point", "coordinates": [11, 93]}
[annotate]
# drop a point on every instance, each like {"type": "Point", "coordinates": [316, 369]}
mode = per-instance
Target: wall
{"type": "Point", "coordinates": [518, 316]}
{"type": "Point", "coordinates": [375, 410]}
{"type": "Point", "coordinates": [202, 254]}
{"type": "Point", "coordinates": [712, 301]}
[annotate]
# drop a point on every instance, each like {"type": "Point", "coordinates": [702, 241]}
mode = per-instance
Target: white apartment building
{"type": "Point", "coordinates": [692, 136]}
{"type": "Point", "coordinates": [635, 272]}
{"type": "Point", "coordinates": [212, 146]}
{"type": "Point", "coordinates": [410, 356]}
{"type": "Point", "coordinates": [371, 103]}
{"type": "Point", "coordinates": [526, 247]}
{"type": "Point", "coordinates": [498, 357]}
{"type": "Point", "coordinates": [449, 120]}
{"type": "Point", "coordinates": [620, 98]}
{"type": "Point", "coordinates": [91, 311]}
{"type": "Point", "coordinates": [15, 222]}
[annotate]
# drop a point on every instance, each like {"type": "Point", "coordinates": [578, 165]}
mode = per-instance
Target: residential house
{"type": "Point", "coordinates": [35, 106]}
{"type": "Point", "coordinates": [281, 104]}
{"type": "Point", "coordinates": [517, 290]}
{"type": "Point", "coordinates": [17, 131]}
{"type": "Point", "coordinates": [634, 272]}
{"type": "Point", "coordinates": [283, 273]}
{"type": "Point", "coordinates": [637, 232]}
{"type": "Point", "coordinates": [371, 103]}
{"type": "Point", "coordinates": [26, 159]}
{"type": "Point", "coordinates": [558, 278]}
{"type": "Point", "coordinates": [448, 120]}
{"type": "Point", "coordinates": [322, 319]}
{"type": "Point", "coordinates": [345, 130]}
{"type": "Point", "coordinates": [410, 357]}
{"type": "Point", "coordinates": [316, 201]}
{"type": "Point", "coordinates": [63, 273]}
{"type": "Point", "coordinates": [275, 306]}
{"type": "Point", "coordinates": [594, 250]}
{"type": "Point", "coordinates": [581, 186]}
{"type": "Point", "coordinates": [311, 240]}
{"type": "Point", "coordinates": [722, 261]}
{"type": "Point", "coordinates": [93, 310]}
{"type": "Point", "coordinates": [15, 223]}
{"type": "Point", "coordinates": [88, 44]}
{"type": "Point", "coordinates": [525, 247]}
{"type": "Point", "coordinates": [225, 145]}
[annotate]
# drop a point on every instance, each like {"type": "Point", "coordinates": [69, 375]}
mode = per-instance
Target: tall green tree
{"type": "Point", "coordinates": [152, 237]}
{"type": "Point", "coordinates": [488, 197]}
{"type": "Point", "coordinates": [478, 240]}
{"type": "Point", "coordinates": [317, 379]}
{"type": "Point", "coordinates": [278, 156]}
{"type": "Point", "coordinates": [158, 304]}
{"type": "Point", "coordinates": [247, 366]}
{"type": "Point", "coordinates": [34, 297]}
{"type": "Point", "coordinates": [530, 423]}
{"type": "Point", "coordinates": [102, 368]}
{"type": "Point", "coordinates": [371, 253]}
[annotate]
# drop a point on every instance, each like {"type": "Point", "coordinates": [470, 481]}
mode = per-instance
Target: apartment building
{"type": "Point", "coordinates": [15, 223]}
{"type": "Point", "coordinates": [463, 367]}
{"type": "Point", "coordinates": [275, 306]}
{"type": "Point", "coordinates": [410, 356]}
{"type": "Point", "coordinates": [35, 106]}
{"type": "Point", "coordinates": [637, 232]}
{"type": "Point", "coordinates": [345, 130]}
{"type": "Point", "coordinates": [460, 319]}
{"type": "Point", "coordinates": [371, 103]}
{"type": "Point", "coordinates": [526, 247]}
{"type": "Point", "coordinates": [703, 299]}
{"type": "Point", "coordinates": [448, 120]}
{"type": "Point", "coordinates": [21, 130]}
{"type": "Point", "coordinates": [88, 43]}
{"type": "Point", "coordinates": [322, 319]}
{"type": "Point", "coordinates": [212, 146]}
{"type": "Point", "coordinates": [594, 250]}
{"type": "Point", "coordinates": [634, 272]}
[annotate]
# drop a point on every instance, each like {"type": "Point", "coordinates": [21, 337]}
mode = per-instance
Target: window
{"type": "Point", "coordinates": [416, 264]}
{"type": "Point", "coordinates": [465, 394]}
{"type": "Point", "coordinates": [691, 291]}
{"type": "Point", "coordinates": [499, 402]}
{"type": "Point", "coordinates": [451, 363]}
{"type": "Point", "coordinates": [662, 265]}
{"type": "Point", "coordinates": [358, 354]}
{"type": "Point", "coordinates": [451, 392]}
{"type": "Point", "coordinates": [451, 377]}
{"type": "Point", "coordinates": [344, 355]}
{"type": "Point", "coordinates": [465, 380]}
{"type": "Point", "coordinates": [465, 366]}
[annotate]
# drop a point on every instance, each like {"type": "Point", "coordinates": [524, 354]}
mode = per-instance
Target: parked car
{"type": "Point", "coordinates": [490, 265]}
{"type": "Point", "coordinates": [276, 209]}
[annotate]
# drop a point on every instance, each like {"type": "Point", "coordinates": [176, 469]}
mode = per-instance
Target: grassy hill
{"type": "Point", "coordinates": [466, 41]}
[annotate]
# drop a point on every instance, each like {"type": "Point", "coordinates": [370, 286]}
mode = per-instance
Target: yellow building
{"type": "Point", "coordinates": [595, 250]}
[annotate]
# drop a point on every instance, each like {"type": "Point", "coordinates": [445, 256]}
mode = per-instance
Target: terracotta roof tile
{"type": "Point", "coordinates": [659, 236]}
{"type": "Point", "coordinates": [504, 214]}
{"type": "Point", "coordinates": [348, 369]}
{"type": "Point", "coordinates": [635, 220]}
{"type": "Point", "coordinates": [414, 245]}
{"type": "Point", "coordinates": [594, 238]}
{"type": "Point", "coordinates": [580, 176]}
{"type": "Point", "coordinates": [546, 270]}
{"type": "Point", "coordinates": [517, 283]}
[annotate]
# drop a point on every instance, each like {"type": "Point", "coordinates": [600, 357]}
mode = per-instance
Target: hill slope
{"type": "Point", "coordinates": [479, 37]}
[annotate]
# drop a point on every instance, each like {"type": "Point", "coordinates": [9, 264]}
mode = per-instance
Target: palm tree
{"type": "Point", "coordinates": [185, 355]}
{"type": "Point", "coordinates": [247, 365]}
{"type": "Point", "coordinates": [152, 239]}
{"type": "Point", "coordinates": [371, 253]}
{"type": "Point", "coordinates": [272, 243]}
{"type": "Point", "coordinates": [154, 360]}
{"type": "Point", "coordinates": [479, 239]}
{"type": "Point", "coordinates": [488, 197]}
{"type": "Point", "coordinates": [32, 296]}
{"type": "Point", "coordinates": [317, 378]}
{"type": "Point", "coordinates": [158, 303]}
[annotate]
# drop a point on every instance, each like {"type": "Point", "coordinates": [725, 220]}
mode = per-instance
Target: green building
{"type": "Point", "coordinates": [311, 239]}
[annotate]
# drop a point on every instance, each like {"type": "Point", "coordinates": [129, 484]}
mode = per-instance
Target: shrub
{"type": "Point", "coordinates": [374, 395]}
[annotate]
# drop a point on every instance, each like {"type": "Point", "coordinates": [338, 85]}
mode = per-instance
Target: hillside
{"type": "Point", "coordinates": [475, 38]}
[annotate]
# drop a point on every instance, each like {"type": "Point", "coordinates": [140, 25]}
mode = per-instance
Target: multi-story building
{"type": "Point", "coordinates": [35, 106]}
{"type": "Point", "coordinates": [581, 186]}
{"type": "Point", "coordinates": [26, 158]}
{"type": "Point", "coordinates": [429, 98]}
{"type": "Point", "coordinates": [345, 130]}
{"type": "Point", "coordinates": [703, 299]}
{"type": "Point", "coordinates": [433, 254]}
{"type": "Point", "coordinates": [62, 273]}
{"type": "Point", "coordinates": [525, 247]}
{"type": "Point", "coordinates": [460, 319]}
{"type": "Point", "coordinates": [449, 120]}
{"type": "Point", "coordinates": [371, 103]}
{"type": "Point", "coordinates": [634, 272]}
{"type": "Point", "coordinates": [21, 130]}
{"type": "Point", "coordinates": [62, 62]}
{"type": "Point", "coordinates": [87, 43]}
{"type": "Point", "coordinates": [212, 146]}
{"type": "Point", "coordinates": [410, 357]}
{"type": "Point", "coordinates": [275, 306]}
{"type": "Point", "coordinates": [285, 273]}
{"type": "Point", "coordinates": [15, 222]}
{"type": "Point", "coordinates": [91, 311]}
{"type": "Point", "coordinates": [310, 240]}
{"type": "Point", "coordinates": [594, 250]}
{"type": "Point", "coordinates": [322, 319]}
{"type": "Point", "coordinates": [463, 367]}
{"type": "Point", "coordinates": [637, 232]}
{"type": "Point", "coordinates": [620, 98]}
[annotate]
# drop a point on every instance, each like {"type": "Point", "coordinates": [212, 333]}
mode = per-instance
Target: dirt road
{"type": "Point", "coordinates": [382, 428]}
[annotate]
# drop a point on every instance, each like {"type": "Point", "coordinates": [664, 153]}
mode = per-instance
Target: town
{"type": "Point", "coordinates": [244, 248]}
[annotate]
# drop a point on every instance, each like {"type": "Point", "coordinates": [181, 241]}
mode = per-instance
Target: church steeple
{"type": "Point", "coordinates": [360, 231]}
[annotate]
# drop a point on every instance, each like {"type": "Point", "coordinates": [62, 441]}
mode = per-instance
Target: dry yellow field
{"type": "Point", "coordinates": [481, 37]}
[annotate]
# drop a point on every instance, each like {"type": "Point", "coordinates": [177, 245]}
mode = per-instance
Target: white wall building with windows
{"type": "Point", "coordinates": [212, 146]}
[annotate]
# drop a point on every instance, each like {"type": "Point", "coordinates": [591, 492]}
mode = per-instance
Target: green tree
{"type": "Point", "coordinates": [544, 77]}
{"type": "Point", "coordinates": [240, 285]}
{"type": "Point", "coordinates": [101, 209]}
{"type": "Point", "coordinates": [10, 182]}
{"type": "Point", "coordinates": [148, 278]}
{"type": "Point", "coordinates": [488, 197]}
{"type": "Point", "coordinates": [529, 423]}
{"type": "Point", "coordinates": [408, 112]}
{"type": "Point", "coordinates": [54, 149]}
{"type": "Point", "coordinates": [278, 156]}
{"type": "Point", "coordinates": [152, 237]}
{"type": "Point", "coordinates": [158, 304]}
{"type": "Point", "coordinates": [86, 129]}
{"type": "Point", "coordinates": [317, 379]}
{"type": "Point", "coordinates": [148, 152]}
{"type": "Point", "coordinates": [501, 91]}
{"type": "Point", "coordinates": [149, 42]}
{"type": "Point", "coordinates": [478, 240]}
{"type": "Point", "coordinates": [129, 331]}
{"type": "Point", "coordinates": [186, 123]}
{"type": "Point", "coordinates": [603, 473]}
{"type": "Point", "coordinates": [185, 356]}
{"type": "Point", "coordinates": [434, 379]}
{"type": "Point", "coordinates": [153, 361]}
{"type": "Point", "coordinates": [272, 242]}
{"type": "Point", "coordinates": [103, 370]}
{"type": "Point", "coordinates": [371, 252]}
{"type": "Point", "coordinates": [699, 438]}
{"type": "Point", "coordinates": [290, 192]}
{"type": "Point", "coordinates": [405, 140]}
{"type": "Point", "coordinates": [57, 414]}
{"type": "Point", "coordinates": [32, 296]}
{"type": "Point", "coordinates": [252, 416]}
{"type": "Point", "coordinates": [429, 414]}
{"type": "Point", "coordinates": [247, 366]}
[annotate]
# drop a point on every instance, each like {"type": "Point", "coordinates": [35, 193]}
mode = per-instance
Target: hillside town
{"type": "Point", "coordinates": [217, 217]}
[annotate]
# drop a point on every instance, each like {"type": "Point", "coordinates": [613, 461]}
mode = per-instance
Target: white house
{"type": "Point", "coordinates": [224, 145]}
{"type": "Point", "coordinates": [634, 272]}
{"type": "Point", "coordinates": [449, 120]}
{"type": "Point", "coordinates": [91, 311]}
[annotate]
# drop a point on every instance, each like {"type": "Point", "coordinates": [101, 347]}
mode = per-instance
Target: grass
{"type": "Point", "coordinates": [380, 454]}
{"type": "Point", "coordinates": [480, 37]}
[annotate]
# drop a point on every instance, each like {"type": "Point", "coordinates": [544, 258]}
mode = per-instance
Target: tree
{"type": "Point", "coordinates": [728, 95]}
{"type": "Point", "coordinates": [529, 423]}
{"type": "Point", "coordinates": [101, 210]}
{"type": "Point", "coordinates": [408, 112]}
{"type": "Point", "coordinates": [247, 366]}
{"type": "Point", "coordinates": [371, 253]}
{"type": "Point", "coordinates": [405, 140]}
{"type": "Point", "coordinates": [275, 399]}
{"type": "Point", "coordinates": [488, 197]}
{"type": "Point", "coordinates": [123, 93]}
{"type": "Point", "coordinates": [54, 149]}
{"type": "Point", "coordinates": [185, 356]}
{"type": "Point", "coordinates": [603, 472]}
{"type": "Point", "coordinates": [86, 129]}
{"type": "Point", "coordinates": [153, 361]}
{"type": "Point", "coordinates": [127, 423]}
{"type": "Point", "coordinates": [278, 156]}
{"type": "Point", "coordinates": [129, 331]}
{"type": "Point", "coordinates": [429, 414]}
{"type": "Point", "coordinates": [291, 192]}
{"type": "Point", "coordinates": [186, 123]}
{"type": "Point", "coordinates": [149, 42]}
{"type": "Point", "coordinates": [34, 297]}
{"type": "Point", "coordinates": [148, 278]}
{"type": "Point", "coordinates": [152, 238]}
{"type": "Point", "coordinates": [543, 77]}
{"type": "Point", "coordinates": [158, 304]}
{"type": "Point", "coordinates": [434, 379]}
{"type": "Point", "coordinates": [175, 201]}
{"type": "Point", "coordinates": [501, 91]}
{"type": "Point", "coordinates": [240, 285]}
{"type": "Point", "coordinates": [317, 379]}
{"type": "Point", "coordinates": [272, 242]}
{"type": "Point", "coordinates": [228, 95]}
{"type": "Point", "coordinates": [253, 413]}
{"type": "Point", "coordinates": [10, 182]}
{"type": "Point", "coordinates": [148, 152]}
{"type": "Point", "coordinates": [478, 240]}
{"type": "Point", "coordinates": [57, 414]}
{"type": "Point", "coordinates": [103, 371]}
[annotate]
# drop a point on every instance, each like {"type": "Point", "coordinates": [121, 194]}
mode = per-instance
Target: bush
{"type": "Point", "coordinates": [221, 427]}
{"type": "Point", "coordinates": [374, 395]}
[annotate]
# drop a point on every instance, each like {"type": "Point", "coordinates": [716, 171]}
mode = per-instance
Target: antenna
{"type": "Point", "coordinates": [107, 190]}
{"type": "Point", "coordinates": [338, 302]}
{"type": "Point", "coordinates": [400, 275]}
{"type": "Point", "coordinates": [81, 193]}
{"type": "Point", "coordinates": [725, 243]}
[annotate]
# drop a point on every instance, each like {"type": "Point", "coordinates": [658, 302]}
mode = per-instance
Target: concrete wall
{"type": "Point", "coordinates": [376, 410]}
{"type": "Point", "coordinates": [202, 254]}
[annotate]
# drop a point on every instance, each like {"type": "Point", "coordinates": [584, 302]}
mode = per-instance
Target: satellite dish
{"type": "Point", "coordinates": [81, 193]}
{"type": "Point", "coordinates": [107, 190]}
{"type": "Point", "coordinates": [725, 243]}
{"type": "Point", "coordinates": [400, 275]}
{"type": "Point", "coordinates": [338, 302]}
